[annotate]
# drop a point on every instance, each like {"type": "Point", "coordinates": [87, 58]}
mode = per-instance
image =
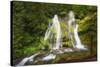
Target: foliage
{"type": "Point", "coordinates": [30, 22]}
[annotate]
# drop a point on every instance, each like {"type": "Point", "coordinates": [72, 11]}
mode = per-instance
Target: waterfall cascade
{"type": "Point", "coordinates": [55, 25]}
{"type": "Point", "coordinates": [77, 43]}
{"type": "Point", "coordinates": [70, 21]}
{"type": "Point", "coordinates": [57, 45]}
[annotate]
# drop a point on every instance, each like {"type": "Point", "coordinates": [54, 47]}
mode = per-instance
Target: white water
{"type": "Point", "coordinates": [57, 45]}
{"type": "Point", "coordinates": [49, 57]}
{"type": "Point", "coordinates": [70, 21]}
{"type": "Point", "coordinates": [57, 27]}
{"type": "Point", "coordinates": [48, 32]}
{"type": "Point", "coordinates": [68, 50]}
{"type": "Point", "coordinates": [78, 45]}
{"type": "Point", "coordinates": [31, 58]}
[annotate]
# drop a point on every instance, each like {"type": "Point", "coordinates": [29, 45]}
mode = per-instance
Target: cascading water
{"type": "Point", "coordinates": [49, 57]}
{"type": "Point", "coordinates": [56, 45]}
{"type": "Point", "coordinates": [57, 27]}
{"type": "Point", "coordinates": [31, 58]}
{"type": "Point", "coordinates": [48, 32]}
{"type": "Point", "coordinates": [78, 43]}
{"type": "Point", "coordinates": [70, 21]}
{"type": "Point", "coordinates": [77, 39]}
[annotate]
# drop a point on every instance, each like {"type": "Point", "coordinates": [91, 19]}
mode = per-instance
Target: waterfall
{"type": "Point", "coordinates": [25, 60]}
{"type": "Point", "coordinates": [57, 27]}
{"type": "Point", "coordinates": [56, 35]}
{"type": "Point", "coordinates": [71, 21]}
{"type": "Point", "coordinates": [78, 45]}
{"type": "Point", "coordinates": [48, 32]}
